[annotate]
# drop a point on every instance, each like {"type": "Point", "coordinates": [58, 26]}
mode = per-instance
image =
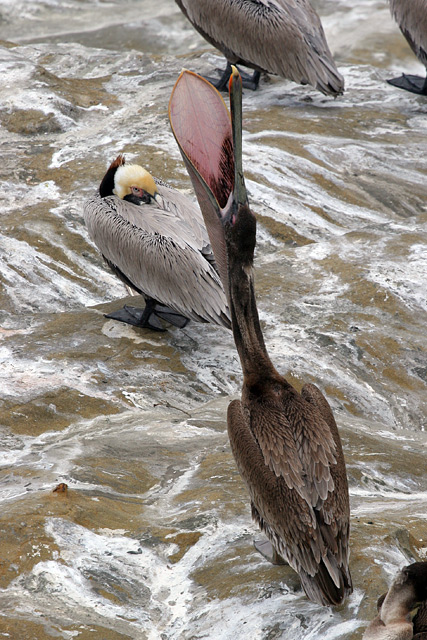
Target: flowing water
{"type": "Point", "coordinates": [153, 539]}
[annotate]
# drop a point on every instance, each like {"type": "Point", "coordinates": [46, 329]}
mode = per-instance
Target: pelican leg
{"type": "Point", "coordinates": [221, 84]}
{"type": "Point", "coordinates": [266, 549]}
{"type": "Point", "coordinates": [149, 317]}
{"type": "Point", "coordinates": [248, 81]}
{"type": "Point", "coordinates": [414, 84]}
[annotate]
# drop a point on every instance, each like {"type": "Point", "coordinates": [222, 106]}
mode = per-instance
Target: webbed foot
{"type": "Point", "coordinates": [414, 84]}
{"type": "Point", "coordinates": [171, 316]}
{"type": "Point", "coordinates": [137, 318]}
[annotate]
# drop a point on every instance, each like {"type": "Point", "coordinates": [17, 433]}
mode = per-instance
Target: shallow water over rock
{"type": "Point", "coordinates": [153, 538]}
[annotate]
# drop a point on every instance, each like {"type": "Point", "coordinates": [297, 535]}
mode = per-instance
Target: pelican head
{"type": "Point", "coordinates": [132, 179]}
{"type": "Point", "coordinates": [393, 621]}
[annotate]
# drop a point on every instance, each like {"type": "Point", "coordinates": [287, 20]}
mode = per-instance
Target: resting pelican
{"type": "Point", "coordinates": [282, 37]}
{"type": "Point", "coordinates": [155, 241]}
{"type": "Point", "coordinates": [411, 16]}
{"type": "Point", "coordinates": [393, 621]}
{"type": "Point", "coordinates": [286, 444]}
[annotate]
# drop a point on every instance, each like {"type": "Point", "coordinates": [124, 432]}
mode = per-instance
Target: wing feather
{"type": "Point", "coordinates": [412, 20]}
{"type": "Point", "coordinates": [286, 517]}
{"type": "Point", "coordinates": [296, 444]}
{"type": "Point", "coordinates": [297, 530]}
{"type": "Point", "coordinates": [334, 514]}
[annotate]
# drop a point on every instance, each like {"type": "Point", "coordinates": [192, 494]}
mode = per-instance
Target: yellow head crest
{"type": "Point", "coordinates": [133, 175]}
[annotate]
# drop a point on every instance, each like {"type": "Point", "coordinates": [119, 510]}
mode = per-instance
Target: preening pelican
{"type": "Point", "coordinates": [154, 239]}
{"type": "Point", "coordinates": [286, 444]}
{"type": "Point", "coordinates": [282, 37]}
{"type": "Point", "coordinates": [411, 16]}
{"type": "Point", "coordinates": [393, 621]}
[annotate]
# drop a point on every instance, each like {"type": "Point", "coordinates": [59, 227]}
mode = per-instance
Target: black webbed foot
{"type": "Point", "coordinates": [250, 81]}
{"type": "Point", "coordinates": [171, 316]}
{"type": "Point", "coordinates": [221, 84]}
{"type": "Point", "coordinates": [414, 84]}
{"type": "Point", "coordinates": [137, 318]}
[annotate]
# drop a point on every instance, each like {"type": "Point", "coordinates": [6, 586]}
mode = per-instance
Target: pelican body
{"type": "Point", "coordinates": [411, 16]}
{"type": "Point", "coordinates": [286, 444]}
{"type": "Point", "coordinates": [393, 621]}
{"type": "Point", "coordinates": [154, 239]}
{"type": "Point", "coordinates": [282, 37]}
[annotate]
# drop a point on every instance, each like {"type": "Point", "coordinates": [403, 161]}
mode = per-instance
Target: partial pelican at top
{"type": "Point", "coordinates": [411, 16]}
{"type": "Point", "coordinates": [282, 37]}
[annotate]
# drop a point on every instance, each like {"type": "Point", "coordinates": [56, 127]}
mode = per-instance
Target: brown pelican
{"type": "Point", "coordinates": [286, 444]}
{"type": "Point", "coordinates": [154, 239]}
{"type": "Point", "coordinates": [420, 622]}
{"type": "Point", "coordinates": [282, 37]}
{"type": "Point", "coordinates": [411, 16]}
{"type": "Point", "coordinates": [393, 621]}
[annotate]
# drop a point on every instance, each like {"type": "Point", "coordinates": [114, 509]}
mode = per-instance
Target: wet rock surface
{"type": "Point", "coordinates": [153, 537]}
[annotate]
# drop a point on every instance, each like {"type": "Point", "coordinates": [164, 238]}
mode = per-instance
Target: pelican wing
{"type": "Point", "coordinates": [336, 508]}
{"type": "Point", "coordinates": [295, 529]}
{"type": "Point", "coordinates": [185, 215]}
{"type": "Point", "coordinates": [158, 257]}
{"type": "Point", "coordinates": [296, 444]}
{"type": "Point", "coordinates": [169, 216]}
{"type": "Point", "coordinates": [284, 37]}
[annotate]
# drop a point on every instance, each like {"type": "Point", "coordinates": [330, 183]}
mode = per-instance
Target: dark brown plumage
{"type": "Point", "coordinates": [420, 621]}
{"type": "Point", "coordinates": [286, 444]}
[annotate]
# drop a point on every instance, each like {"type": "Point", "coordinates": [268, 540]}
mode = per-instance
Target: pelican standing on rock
{"type": "Point", "coordinates": [154, 239]}
{"type": "Point", "coordinates": [282, 37]}
{"type": "Point", "coordinates": [411, 16]}
{"type": "Point", "coordinates": [286, 444]}
{"type": "Point", "coordinates": [393, 621]}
